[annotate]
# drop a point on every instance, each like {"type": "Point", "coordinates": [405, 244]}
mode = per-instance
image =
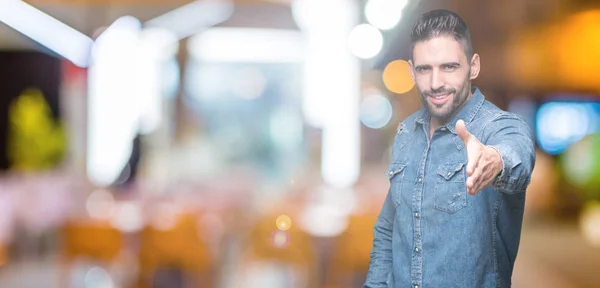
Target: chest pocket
{"type": "Point", "coordinates": [396, 176]}
{"type": "Point", "coordinates": [451, 188]}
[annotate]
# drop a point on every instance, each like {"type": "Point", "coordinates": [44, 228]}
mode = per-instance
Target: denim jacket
{"type": "Point", "coordinates": [430, 232]}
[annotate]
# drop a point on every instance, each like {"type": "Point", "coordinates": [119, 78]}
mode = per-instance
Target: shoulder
{"type": "Point", "coordinates": [495, 119]}
{"type": "Point", "coordinates": [489, 112]}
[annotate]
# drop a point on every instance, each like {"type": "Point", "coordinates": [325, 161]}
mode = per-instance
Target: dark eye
{"type": "Point", "coordinates": [423, 69]}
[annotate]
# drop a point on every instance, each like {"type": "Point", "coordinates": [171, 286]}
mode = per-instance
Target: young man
{"type": "Point", "coordinates": [460, 167]}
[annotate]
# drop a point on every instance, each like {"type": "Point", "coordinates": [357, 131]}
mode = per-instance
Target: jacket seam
{"type": "Point", "coordinates": [494, 237]}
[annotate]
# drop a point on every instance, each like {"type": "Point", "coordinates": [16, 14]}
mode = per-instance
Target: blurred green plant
{"type": "Point", "coordinates": [581, 165]}
{"type": "Point", "coordinates": [35, 140]}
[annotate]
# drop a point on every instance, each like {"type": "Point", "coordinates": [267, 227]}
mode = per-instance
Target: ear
{"type": "Point", "coordinates": [475, 66]}
{"type": "Point", "coordinates": [411, 70]}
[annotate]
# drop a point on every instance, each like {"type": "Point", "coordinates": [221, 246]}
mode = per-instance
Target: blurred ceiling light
{"type": "Point", "coordinates": [326, 25]}
{"type": "Point", "coordinates": [375, 111]}
{"type": "Point", "coordinates": [46, 30]}
{"type": "Point", "coordinates": [384, 14]}
{"type": "Point", "coordinates": [162, 43]}
{"type": "Point", "coordinates": [317, 15]}
{"type": "Point", "coordinates": [365, 41]}
{"type": "Point", "coordinates": [156, 47]}
{"type": "Point", "coordinates": [194, 17]}
{"type": "Point", "coordinates": [259, 45]}
{"type": "Point", "coordinates": [122, 27]}
{"type": "Point", "coordinates": [331, 88]}
{"type": "Point", "coordinates": [396, 77]}
{"type": "Point", "coordinates": [112, 100]}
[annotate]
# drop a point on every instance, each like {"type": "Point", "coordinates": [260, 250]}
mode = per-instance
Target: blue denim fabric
{"type": "Point", "coordinates": [430, 232]}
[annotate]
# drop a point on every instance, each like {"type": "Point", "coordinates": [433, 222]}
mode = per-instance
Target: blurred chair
{"type": "Point", "coordinates": [273, 255]}
{"type": "Point", "coordinates": [350, 258]}
{"type": "Point", "coordinates": [95, 241]}
{"type": "Point", "coordinates": [179, 249]}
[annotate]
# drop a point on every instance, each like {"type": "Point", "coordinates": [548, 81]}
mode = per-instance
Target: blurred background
{"type": "Point", "coordinates": [244, 143]}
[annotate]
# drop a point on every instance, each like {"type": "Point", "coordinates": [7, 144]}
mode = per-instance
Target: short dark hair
{"type": "Point", "coordinates": [441, 22]}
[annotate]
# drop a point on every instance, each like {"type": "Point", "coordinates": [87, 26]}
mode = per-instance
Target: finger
{"type": "Point", "coordinates": [474, 189]}
{"type": "Point", "coordinates": [461, 130]}
{"type": "Point", "coordinates": [484, 179]}
{"type": "Point", "coordinates": [473, 159]}
{"type": "Point", "coordinates": [478, 186]}
{"type": "Point", "coordinates": [474, 179]}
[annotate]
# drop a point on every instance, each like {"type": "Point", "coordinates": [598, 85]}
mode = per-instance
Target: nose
{"type": "Point", "coordinates": [436, 80]}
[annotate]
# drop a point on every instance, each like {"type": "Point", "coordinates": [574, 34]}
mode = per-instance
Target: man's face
{"type": "Point", "coordinates": [443, 75]}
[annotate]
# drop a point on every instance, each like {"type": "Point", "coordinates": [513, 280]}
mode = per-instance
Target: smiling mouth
{"type": "Point", "coordinates": [439, 99]}
{"type": "Point", "coordinates": [439, 96]}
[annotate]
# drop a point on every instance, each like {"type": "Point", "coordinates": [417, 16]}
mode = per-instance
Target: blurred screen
{"type": "Point", "coordinates": [562, 123]}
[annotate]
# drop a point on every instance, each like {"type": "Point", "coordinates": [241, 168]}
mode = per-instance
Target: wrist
{"type": "Point", "coordinates": [496, 159]}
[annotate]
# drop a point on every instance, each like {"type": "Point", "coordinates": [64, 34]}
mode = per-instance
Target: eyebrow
{"type": "Point", "coordinates": [452, 64]}
{"type": "Point", "coordinates": [455, 64]}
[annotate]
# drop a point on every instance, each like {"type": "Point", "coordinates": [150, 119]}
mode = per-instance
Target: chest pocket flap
{"type": "Point", "coordinates": [450, 170]}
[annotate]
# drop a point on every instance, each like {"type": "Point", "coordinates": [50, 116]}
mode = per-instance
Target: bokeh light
{"type": "Point", "coordinates": [280, 239]}
{"type": "Point", "coordinates": [325, 219]}
{"type": "Point", "coordinates": [590, 223]}
{"type": "Point", "coordinates": [581, 165]}
{"type": "Point", "coordinates": [365, 41]}
{"type": "Point", "coordinates": [100, 204]}
{"type": "Point", "coordinates": [283, 222]}
{"type": "Point", "coordinates": [375, 111]}
{"type": "Point", "coordinates": [384, 14]}
{"type": "Point", "coordinates": [97, 277]}
{"type": "Point", "coordinates": [165, 216]}
{"type": "Point", "coordinates": [127, 217]}
{"type": "Point", "coordinates": [396, 77]}
{"type": "Point", "coordinates": [560, 124]}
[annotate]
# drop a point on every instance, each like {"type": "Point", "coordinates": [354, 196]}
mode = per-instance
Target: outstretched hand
{"type": "Point", "coordinates": [483, 163]}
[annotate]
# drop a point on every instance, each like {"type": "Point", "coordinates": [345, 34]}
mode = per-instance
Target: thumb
{"type": "Point", "coordinates": [461, 130]}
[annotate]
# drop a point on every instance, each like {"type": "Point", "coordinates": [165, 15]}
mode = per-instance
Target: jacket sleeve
{"type": "Point", "coordinates": [513, 140]}
{"type": "Point", "coordinates": [381, 254]}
